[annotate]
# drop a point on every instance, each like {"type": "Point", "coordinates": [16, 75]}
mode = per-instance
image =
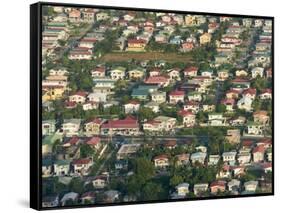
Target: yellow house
{"type": "Point", "coordinates": [92, 126]}
{"type": "Point", "coordinates": [241, 73]}
{"type": "Point", "coordinates": [136, 45]}
{"type": "Point", "coordinates": [136, 73]}
{"type": "Point", "coordinates": [205, 38]}
{"type": "Point", "coordinates": [223, 75]}
{"type": "Point", "coordinates": [52, 93]}
{"type": "Point", "coordinates": [190, 20]}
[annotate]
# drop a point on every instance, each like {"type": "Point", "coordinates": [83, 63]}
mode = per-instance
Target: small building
{"type": "Point", "coordinates": [200, 188]}
{"type": "Point", "coordinates": [158, 97]}
{"type": "Point", "coordinates": [176, 97]}
{"type": "Point", "coordinates": [233, 136]}
{"type": "Point", "coordinates": [229, 157]}
{"type": "Point", "coordinates": [92, 126]}
{"type": "Point", "coordinates": [94, 142]}
{"type": "Point", "coordinates": [81, 166]}
{"type": "Point", "coordinates": [127, 126]}
{"type": "Point", "coordinates": [78, 97]}
{"type": "Point", "coordinates": [261, 117]}
{"type": "Point", "coordinates": [48, 127]}
{"type": "Point", "coordinates": [251, 186]}
{"type": "Point", "coordinates": [88, 197]}
{"type": "Point", "coordinates": [194, 96]}
{"type": "Point", "coordinates": [98, 72]}
{"type": "Point", "coordinates": [50, 201]}
{"type": "Point", "coordinates": [188, 118]}
{"type": "Point", "coordinates": [74, 16]}
{"type": "Point", "coordinates": [244, 157]}
{"type": "Point", "coordinates": [61, 167]}
{"type": "Point", "coordinates": [218, 186]}
{"type": "Point", "coordinates": [205, 38]}
{"type": "Point", "coordinates": [136, 45]}
{"type": "Point", "coordinates": [99, 182]}
{"type": "Point", "coordinates": [127, 150]}
{"type": "Point", "coordinates": [154, 106]}
{"type": "Point", "coordinates": [132, 107]}
{"type": "Point", "coordinates": [257, 71]}
{"type": "Point", "coordinates": [216, 119]}
{"type": "Point", "coordinates": [234, 185]}
{"type": "Point", "coordinates": [118, 73]}
{"type": "Point", "coordinates": [137, 73]}
{"type": "Point", "coordinates": [182, 189]}
{"type": "Point", "coordinates": [258, 153]}
{"type": "Point", "coordinates": [190, 71]}
{"type": "Point", "coordinates": [198, 157]}
{"type": "Point", "coordinates": [254, 128]}
{"type": "Point", "coordinates": [71, 127]}
{"type": "Point", "coordinates": [161, 161]}
{"type": "Point", "coordinates": [182, 159]}
{"type": "Point", "coordinates": [213, 159]}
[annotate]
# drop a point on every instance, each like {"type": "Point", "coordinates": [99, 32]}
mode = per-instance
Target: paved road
{"type": "Point", "coordinates": [184, 137]}
{"type": "Point", "coordinates": [103, 163]}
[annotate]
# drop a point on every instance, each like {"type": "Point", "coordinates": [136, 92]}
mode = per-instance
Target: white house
{"type": "Point", "coordinates": [158, 96]}
{"type": "Point", "coordinates": [229, 157]}
{"type": "Point", "coordinates": [244, 157]}
{"type": "Point", "coordinates": [160, 123]}
{"type": "Point", "coordinates": [251, 186]}
{"type": "Point", "coordinates": [78, 97]}
{"type": "Point", "coordinates": [71, 126]}
{"type": "Point", "coordinates": [198, 157]}
{"type": "Point", "coordinates": [61, 167]}
{"type": "Point", "coordinates": [266, 94]}
{"type": "Point", "coordinates": [194, 96]}
{"type": "Point", "coordinates": [176, 97]}
{"type": "Point", "coordinates": [132, 106]}
{"type": "Point", "coordinates": [188, 118]}
{"type": "Point", "coordinates": [245, 103]}
{"type": "Point", "coordinates": [213, 159]}
{"type": "Point", "coordinates": [97, 97]}
{"type": "Point", "coordinates": [234, 185]}
{"type": "Point", "coordinates": [253, 128]}
{"type": "Point", "coordinates": [118, 73]}
{"type": "Point", "coordinates": [257, 71]}
{"type": "Point", "coordinates": [48, 127]}
{"type": "Point", "coordinates": [216, 119]}
{"type": "Point", "coordinates": [81, 166]}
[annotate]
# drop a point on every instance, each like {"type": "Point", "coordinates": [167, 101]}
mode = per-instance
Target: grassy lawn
{"type": "Point", "coordinates": [125, 56]}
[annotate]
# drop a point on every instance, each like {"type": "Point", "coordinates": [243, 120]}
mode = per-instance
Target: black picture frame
{"type": "Point", "coordinates": [36, 99]}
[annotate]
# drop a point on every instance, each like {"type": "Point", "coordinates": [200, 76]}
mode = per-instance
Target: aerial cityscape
{"type": "Point", "coordinates": [154, 106]}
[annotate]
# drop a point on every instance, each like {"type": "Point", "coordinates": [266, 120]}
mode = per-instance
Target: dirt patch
{"type": "Point", "coordinates": [125, 56]}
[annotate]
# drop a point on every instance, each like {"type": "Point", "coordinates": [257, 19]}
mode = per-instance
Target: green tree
{"type": "Point", "coordinates": [259, 83]}
{"type": "Point", "coordinates": [146, 114]}
{"type": "Point", "coordinates": [76, 185]}
{"type": "Point", "coordinates": [175, 180]}
{"type": "Point", "coordinates": [86, 151]}
{"type": "Point", "coordinates": [151, 191]}
{"type": "Point", "coordinates": [144, 170]}
{"type": "Point", "coordinates": [221, 108]}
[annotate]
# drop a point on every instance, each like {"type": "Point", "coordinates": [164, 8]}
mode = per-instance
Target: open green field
{"type": "Point", "coordinates": [125, 56]}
